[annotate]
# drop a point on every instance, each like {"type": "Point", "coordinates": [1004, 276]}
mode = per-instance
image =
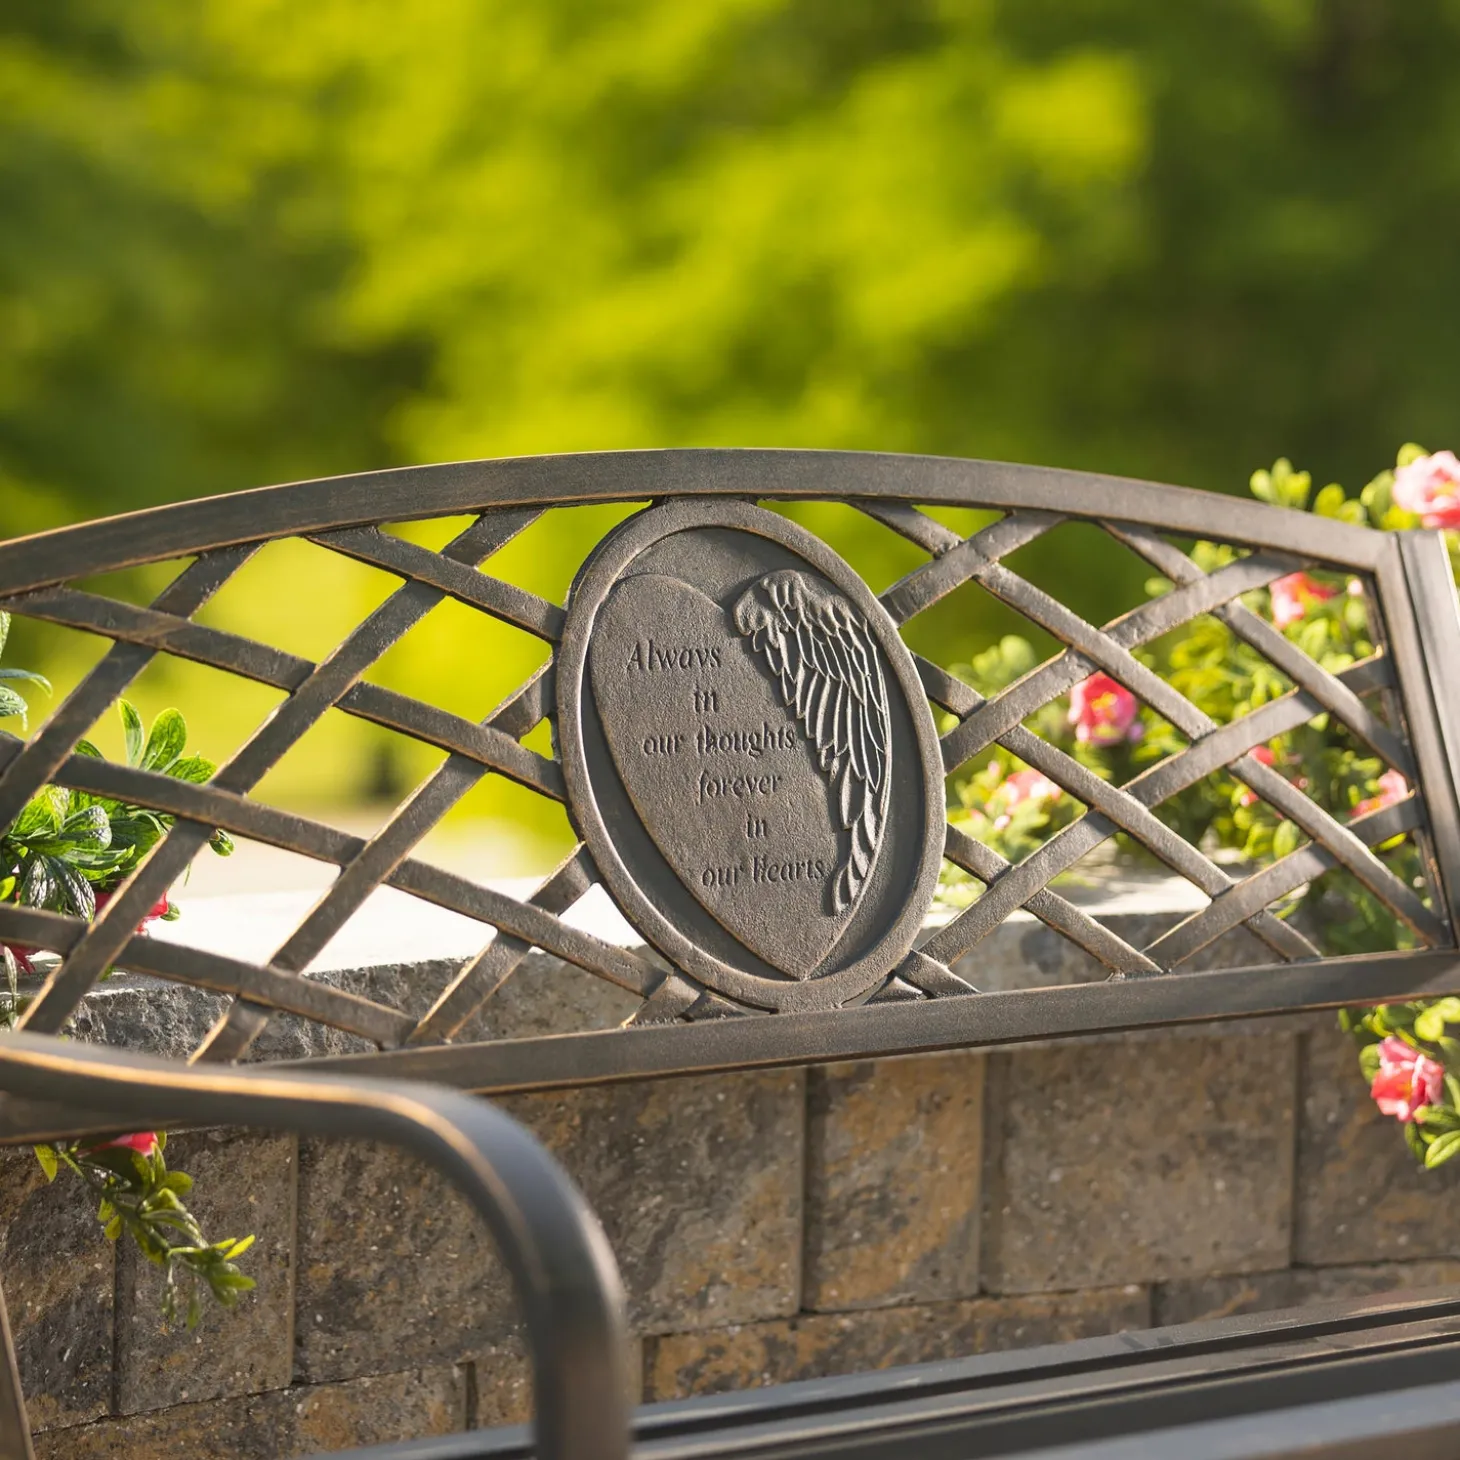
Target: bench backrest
{"type": "Point", "coordinates": [754, 760]}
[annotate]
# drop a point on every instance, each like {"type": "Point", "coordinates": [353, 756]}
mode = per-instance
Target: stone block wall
{"type": "Point", "coordinates": [770, 1226]}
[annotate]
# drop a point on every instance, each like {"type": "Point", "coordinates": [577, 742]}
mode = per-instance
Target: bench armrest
{"type": "Point", "coordinates": [559, 1260]}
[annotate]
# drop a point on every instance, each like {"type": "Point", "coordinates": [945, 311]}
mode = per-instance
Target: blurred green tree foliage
{"type": "Point", "coordinates": [253, 240]}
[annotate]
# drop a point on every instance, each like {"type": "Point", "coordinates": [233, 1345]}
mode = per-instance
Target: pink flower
{"type": "Point", "coordinates": [1407, 1080]}
{"type": "Point", "coordinates": [1430, 486]}
{"type": "Point", "coordinates": [1026, 785]}
{"type": "Point", "coordinates": [1029, 785]}
{"type": "Point", "coordinates": [159, 909]}
{"type": "Point", "coordinates": [144, 1143]}
{"type": "Point", "coordinates": [1294, 595]}
{"type": "Point", "coordinates": [1104, 712]}
{"type": "Point", "coordinates": [1392, 787]}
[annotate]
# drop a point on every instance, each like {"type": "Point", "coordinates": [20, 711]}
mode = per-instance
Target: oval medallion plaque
{"type": "Point", "coordinates": [749, 754]}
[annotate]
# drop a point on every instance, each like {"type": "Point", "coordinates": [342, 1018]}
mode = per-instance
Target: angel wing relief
{"type": "Point", "coordinates": [820, 651]}
{"type": "Point", "coordinates": [749, 755]}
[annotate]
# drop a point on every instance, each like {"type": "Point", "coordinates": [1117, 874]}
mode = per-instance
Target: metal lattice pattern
{"type": "Point", "coordinates": [474, 750]}
{"type": "Point", "coordinates": [512, 927]}
{"type": "Point", "coordinates": [1129, 808]}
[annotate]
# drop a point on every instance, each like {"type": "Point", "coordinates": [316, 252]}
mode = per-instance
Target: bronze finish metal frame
{"type": "Point", "coordinates": [923, 1004]}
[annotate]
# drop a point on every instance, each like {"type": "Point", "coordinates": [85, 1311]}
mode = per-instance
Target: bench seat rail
{"type": "Point", "coordinates": [1337, 1381]}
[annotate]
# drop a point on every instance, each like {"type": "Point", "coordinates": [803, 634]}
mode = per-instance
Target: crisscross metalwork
{"type": "Point", "coordinates": [313, 689]}
{"type": "Point", "coordinates": [38, 578]}
{"type": "Point", "coordinates": [958, 560]}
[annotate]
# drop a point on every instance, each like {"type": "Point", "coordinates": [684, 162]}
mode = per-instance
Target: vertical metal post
{"type": "Point", "coordinates": [14, 1427]}
{"type": "Point", "coordinates": [1427, 672]}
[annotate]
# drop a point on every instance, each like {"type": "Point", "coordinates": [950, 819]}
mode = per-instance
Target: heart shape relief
{"type": "Point", "coordinates": [749, 740]}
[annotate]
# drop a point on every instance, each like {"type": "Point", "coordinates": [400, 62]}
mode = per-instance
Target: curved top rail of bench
{"type": "Point", "coordinates": [406, 493]}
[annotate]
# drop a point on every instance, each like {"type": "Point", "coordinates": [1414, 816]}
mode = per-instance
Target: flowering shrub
{"type": "Point", "coordinates": [68, 852]}
{"type": "Point", "coordinates": [1408, 1056]}
{"type": "Point", "coordinates": [1406, 1052]}
{"type": "Point", "coordinates": [135, 1193]}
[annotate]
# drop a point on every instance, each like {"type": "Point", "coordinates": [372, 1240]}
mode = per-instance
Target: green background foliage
{"type": "Point", "coordinates": [251, 241]}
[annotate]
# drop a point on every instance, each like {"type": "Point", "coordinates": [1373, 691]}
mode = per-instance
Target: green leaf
{"type": "Point", "coordinates": [1282, 486]}
{"type": "Point", "coordinates": [1377, 496]}
{"type": "Point", "coordinates": [29, 676]}
{"type": "Point", "coordinates": [194, 768]}
{"type": "Point", "coordinates": [136, 830]}
{"type": "Point", "coordinates": [89, 827]}
{"type": "Point", "coordinates": [165, 743]}
{"type": "Point", "coordinates": [1441, 1149]}
{"type": "Point", "coordinates": [77, 892]}
{"type": "Point", "coordinates": [1285, 839]}
{"type": "Point", "coordinates": [237, 1249]}
{"type": "Point", "coordinates": [43, 813]}
{"type": "Point", "coordinates": [49, 1164]}
{"type": "Point", "coordinates": [12, 705]}
{"type": "Point", "coordinates": [1416, 1142]}
{"type": "Point", "coordinates": [1329, 502]}
{"type": "Point", "coordinates": [1430, 1025]}
{"type": "Point", "coordinates": [38, 887]}
{"type": "Point", "coordinates": [132, 728]}
{"type": "Point", "coordinates": [1312, 637]}
{"type": "Point", "coordinates": [1396, 1018]}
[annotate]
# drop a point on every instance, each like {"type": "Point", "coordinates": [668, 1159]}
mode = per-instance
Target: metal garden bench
{"type": "Point", "coordinates": [747, 750]}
